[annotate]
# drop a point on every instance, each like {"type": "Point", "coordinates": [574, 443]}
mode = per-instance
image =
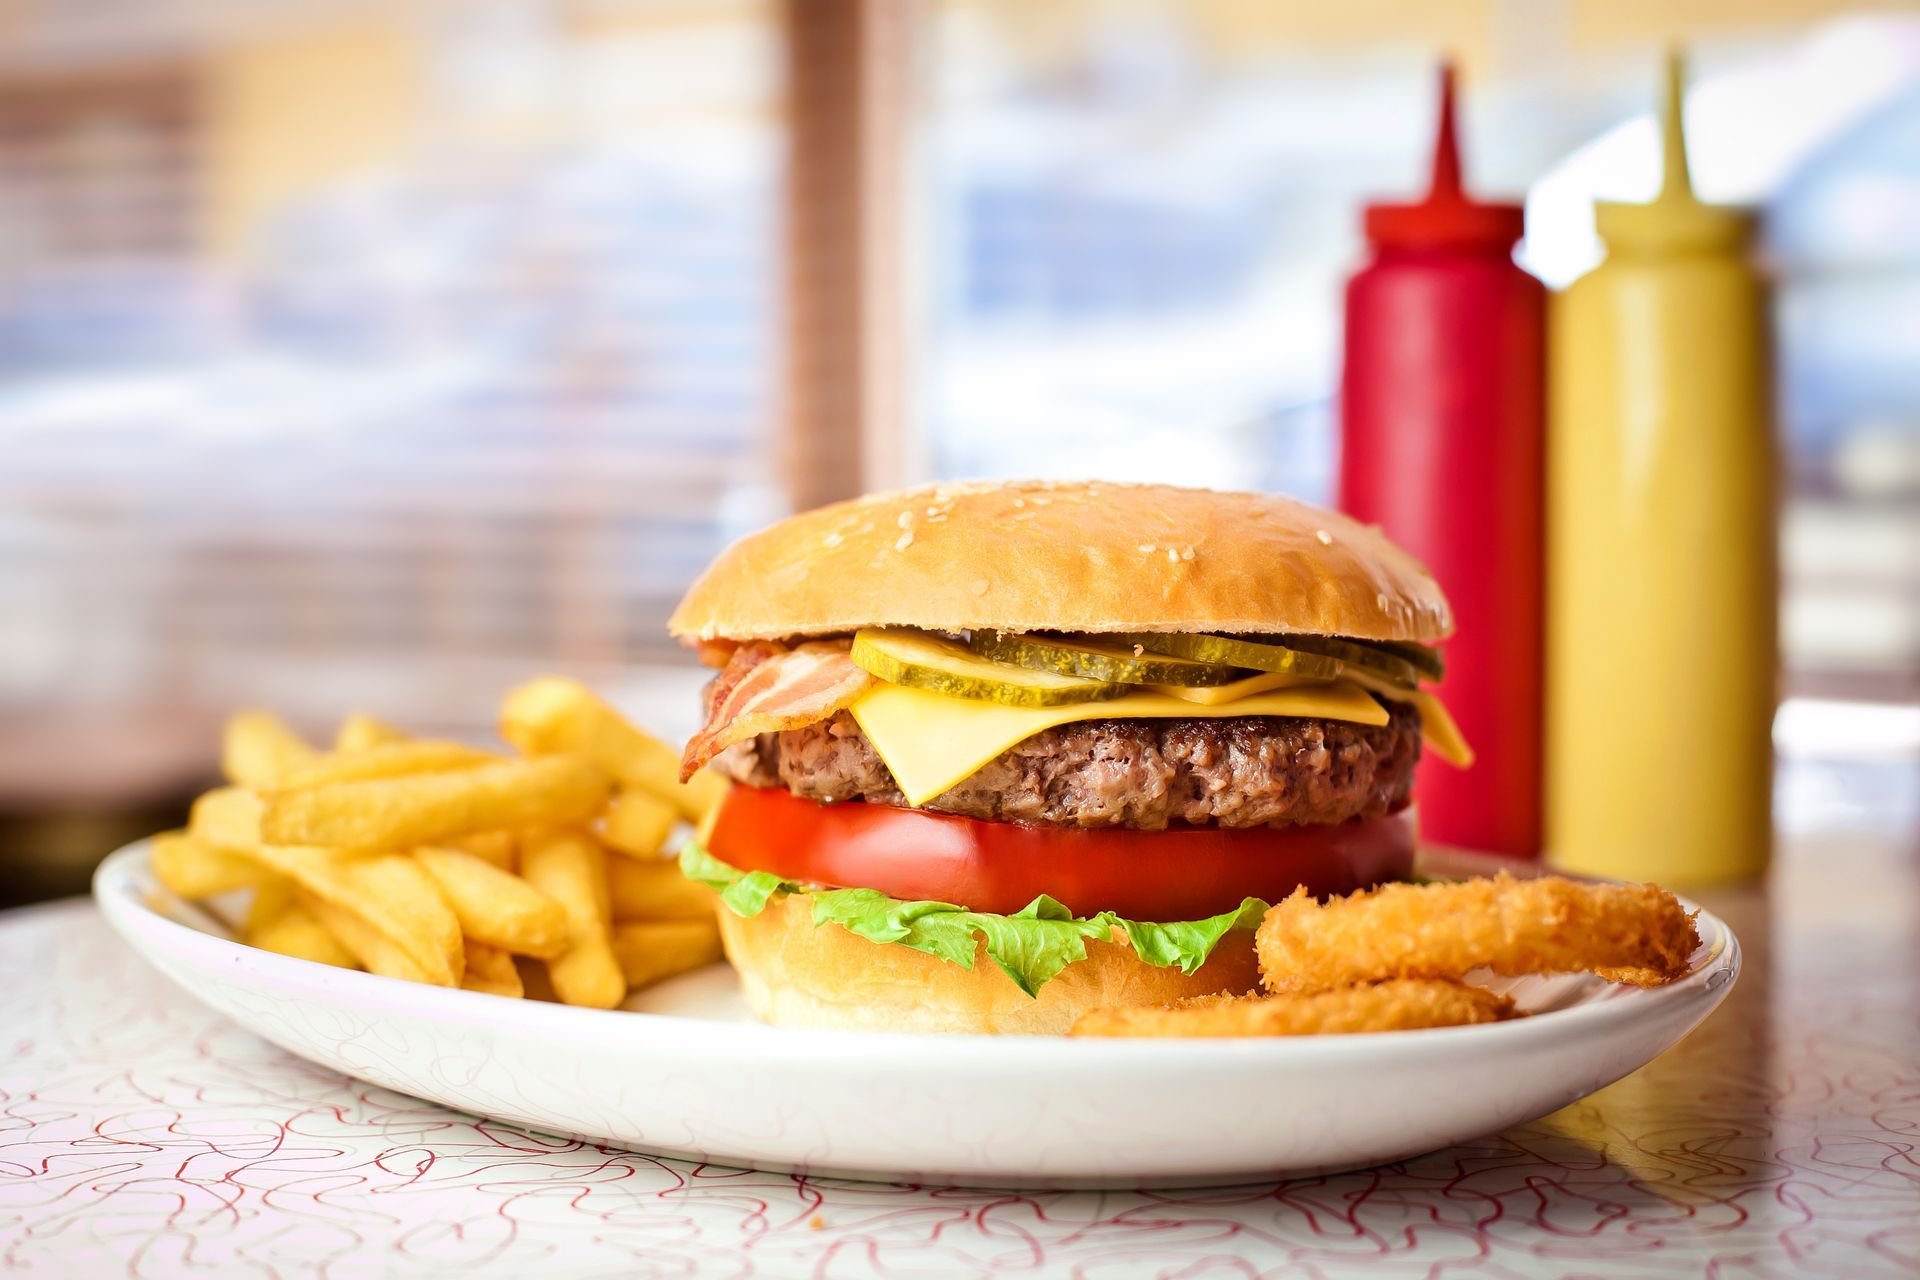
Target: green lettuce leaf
{"type": "Point", "coordinates": [1031, 946]}
{"type": "Point", "coordinates": [1188, 943]}
{"type": "Point", "coordinates": [748, 894]}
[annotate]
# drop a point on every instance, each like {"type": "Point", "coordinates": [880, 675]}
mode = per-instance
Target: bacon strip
{"type": "Point", "coordinates": [766, 688]}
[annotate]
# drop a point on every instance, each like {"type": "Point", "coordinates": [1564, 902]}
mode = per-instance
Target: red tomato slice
{"type": "Point", "coordinates": [1184, 873]}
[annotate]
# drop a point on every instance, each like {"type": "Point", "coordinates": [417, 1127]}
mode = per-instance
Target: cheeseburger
{"type": "Point", "coordinates": [1004, 753]}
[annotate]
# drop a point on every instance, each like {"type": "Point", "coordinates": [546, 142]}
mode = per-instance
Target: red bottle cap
{"type": "Point", "coordinates": [1447, 218]}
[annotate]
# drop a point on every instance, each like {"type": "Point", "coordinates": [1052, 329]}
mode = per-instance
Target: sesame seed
{"type": "Point", "coordinates": [906, 540]}
{"type": "Point", "coordinates": [1148, 548]}
{"type": "Point", "coordinates": [1019, 502]}
{"type": "Point", "coordinates": [1381, 600]}
{"type": "Point", "coordinates": [906, 519]}
{"type": "Point", "coordinates": [1173, 555]}
{"type": "Point", "coordinates": [979, 586]}
{"type": "Point", "coordinates": [1186, 553]}
{"type": "Point", "coordinates": [1326, 539]}
{"type": "Point", "coordinates": [834, 539]}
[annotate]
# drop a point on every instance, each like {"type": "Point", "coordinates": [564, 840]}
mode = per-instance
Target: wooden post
{"type": "Point", "coordinates": [849, 85]}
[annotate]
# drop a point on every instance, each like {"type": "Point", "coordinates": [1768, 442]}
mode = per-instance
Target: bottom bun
{"type": "Point", "coordinates": [797, 974]}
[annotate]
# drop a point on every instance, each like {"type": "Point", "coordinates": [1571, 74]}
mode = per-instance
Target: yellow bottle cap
{"type": "Point", "coordinates": [1675, 220]}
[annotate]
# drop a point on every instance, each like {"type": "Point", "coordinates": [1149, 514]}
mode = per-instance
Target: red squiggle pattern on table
{"type": "Point", "coordinates": [143, 1135]}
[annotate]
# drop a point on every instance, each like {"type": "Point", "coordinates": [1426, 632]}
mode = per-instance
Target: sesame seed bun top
{"type": "Point", "coordinates": [1041, 556]}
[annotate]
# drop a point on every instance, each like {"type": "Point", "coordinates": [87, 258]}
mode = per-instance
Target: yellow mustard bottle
{"type": "Point", "coordinates": [1661, 583]}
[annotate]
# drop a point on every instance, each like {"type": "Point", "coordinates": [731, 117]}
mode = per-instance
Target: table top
{"type": "Point", "coordinates": [142, 1134]}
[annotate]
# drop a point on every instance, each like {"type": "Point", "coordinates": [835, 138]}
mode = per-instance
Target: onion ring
{"type": "Point", "coordinates": [1636, 934]}
{"type": "Point", "coordinates": [1402, 1005]}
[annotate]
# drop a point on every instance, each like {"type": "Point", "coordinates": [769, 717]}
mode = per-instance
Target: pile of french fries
{"type": "Point", "coordinates": [538, 872]}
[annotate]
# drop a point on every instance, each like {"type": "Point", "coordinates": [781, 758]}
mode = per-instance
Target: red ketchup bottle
{"type": "Point", "coordinates": [1442, 422]}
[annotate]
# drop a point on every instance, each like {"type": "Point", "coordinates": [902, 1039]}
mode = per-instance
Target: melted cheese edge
{"type": "Point", "coordinates": [1438, 729]}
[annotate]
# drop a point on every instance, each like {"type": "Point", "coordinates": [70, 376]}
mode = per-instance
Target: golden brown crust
{"type": "Point", "coordinates": [798, 975]}
{"type": "Point", "coordinates": [1403, 1005]}
{"type": "Point", "coordinates": [1638, 933]}
{"type": "Point", "coordinates": [1028, 556]}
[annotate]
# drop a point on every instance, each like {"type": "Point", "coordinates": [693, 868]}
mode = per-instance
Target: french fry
{"type": "Point", "coordinates": [258, 747]}
{"type": "Point", "coordinates": [226, 818]}
{"type": "Point", "coordinates": [497, 847]}
{"type": "Point", "coordinates": [570, 868]}
{"type": "Point", "coordinates": [700, 795]}
{"type": "Point", "coordinates": [552, 715]}
{"type": "Point", "coordinates": [491, 970]}
{"type": "Point", "coordinates": [192, 868]}
{"type": "Point", "coordinates": [654, 889]}
{"type": "Point", "coordinates": [297, 932]}
{"type": "Point", "coordinates": [391, 893]}
{"type": "Point", "coordinates": [399, 855]}
{"type": "Point", "coordinates": [376, 952]}
{"type": "Point", "coordinates": [432, 808]}
{"type": "Point", "coordinates": [495, 907]}
{"type": "Point", "coordinates": [654, 951]}
{"type": "Point", "coordinates": [360, 731]}
{"type": "Point", "coordinates": [638, 823]}
{"type": "Point", "coordinates": [269, 900]}
{"type": "Point", "coordinates": [384, 760]}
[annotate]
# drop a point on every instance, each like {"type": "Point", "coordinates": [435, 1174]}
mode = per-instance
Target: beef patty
{"type": "Point", "coordinates": [1243, 771]}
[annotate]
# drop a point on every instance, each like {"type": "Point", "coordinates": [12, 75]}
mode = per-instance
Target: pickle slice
{"type": "Point", "coordinates": [1426, 661]}
{"type": "Point", "coordinates": [1356, 654]}
{"type": "Point", "coordinates": [1236, 652]}
{"type": "Point", "coordinates": [1092, 660]}
{"type": "Point", "coordinates": [939, 665]}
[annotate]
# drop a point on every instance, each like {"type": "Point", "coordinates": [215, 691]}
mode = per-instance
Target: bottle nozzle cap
{"type": "Point", "coordinates": [1447, 216]}
{"type": "Point", "coordinates": [1675, 219]}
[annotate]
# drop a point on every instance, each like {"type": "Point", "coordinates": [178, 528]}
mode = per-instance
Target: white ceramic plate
{"type": "Point", "coordinates": [683, 1071]}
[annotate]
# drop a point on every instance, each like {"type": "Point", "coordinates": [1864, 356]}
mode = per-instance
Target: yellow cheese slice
{"type": "Point", "coordinates": [931, 741]}
{"type": "Point", "coordinates": [1438, 730]}
{"type": "Point", "coordinates": [1212, 695]}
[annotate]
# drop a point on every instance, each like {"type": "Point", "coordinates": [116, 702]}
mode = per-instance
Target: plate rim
{"type": "Point", "coordinates": [118, 894]}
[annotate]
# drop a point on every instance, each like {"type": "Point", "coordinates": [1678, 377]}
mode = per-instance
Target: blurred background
{"type": "Point", "coordinates": [379, 355]}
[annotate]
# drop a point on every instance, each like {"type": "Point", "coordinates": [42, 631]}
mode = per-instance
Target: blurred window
{"type": "Point", "coordinates": [372, 355]}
